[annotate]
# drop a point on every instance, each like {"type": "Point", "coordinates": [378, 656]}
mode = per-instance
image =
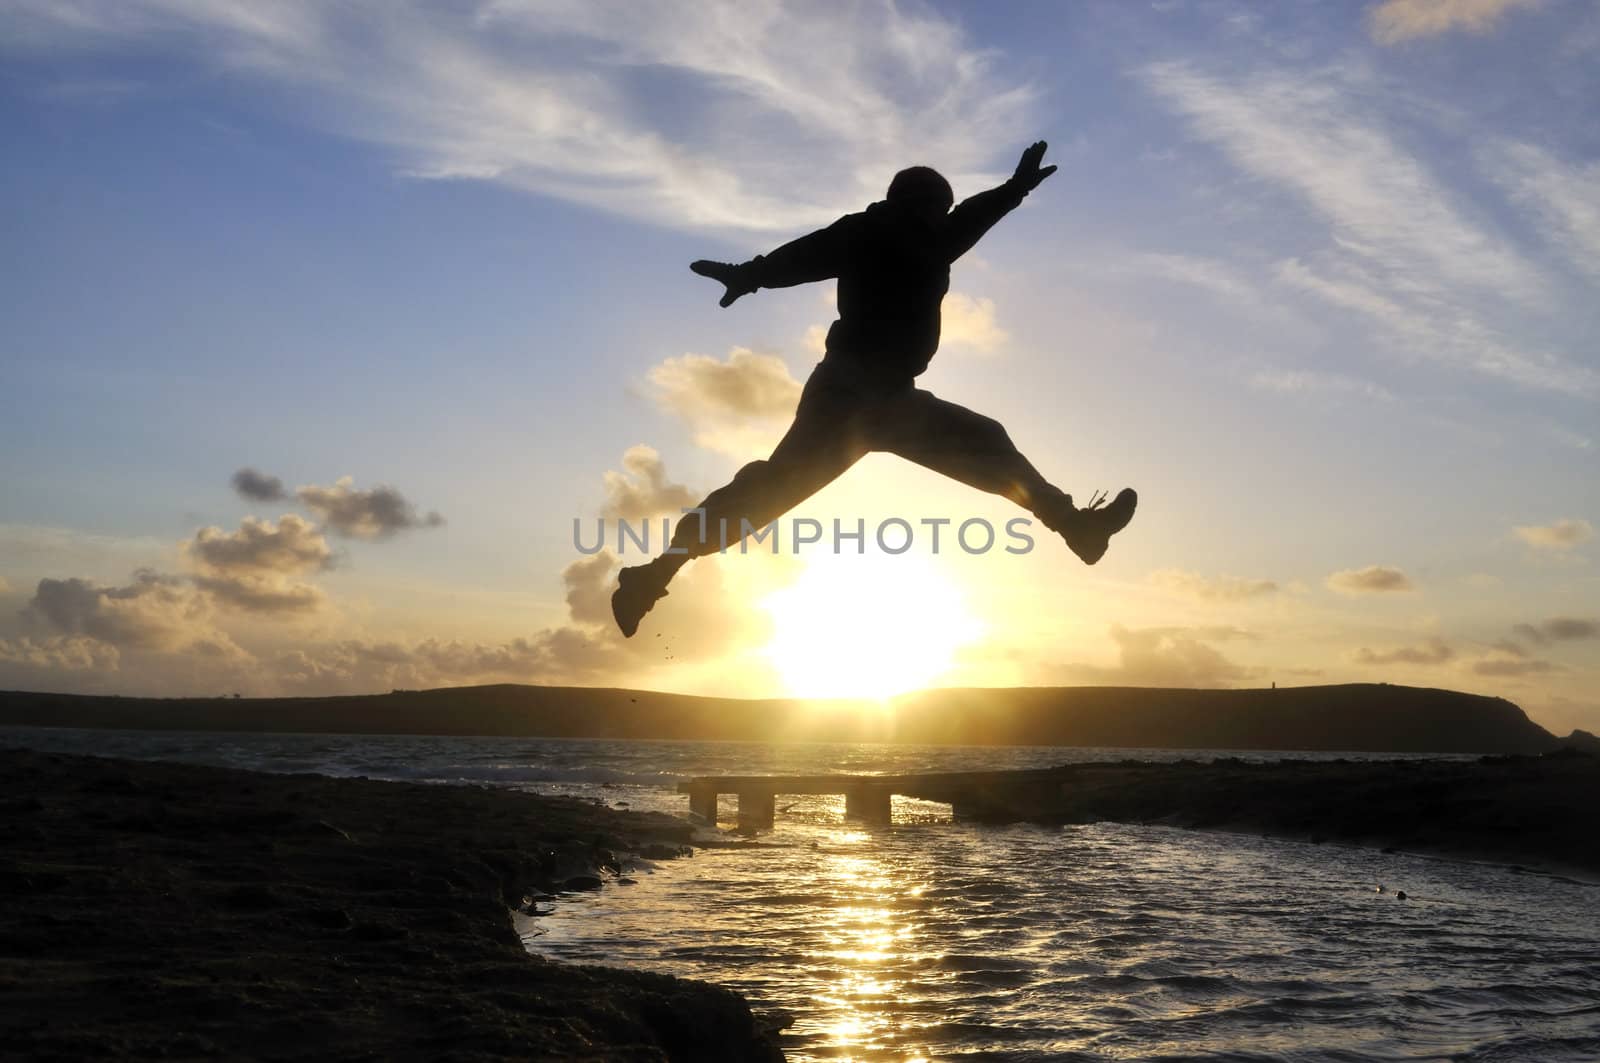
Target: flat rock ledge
{"type": "Point", "coordinates": [168, 911]}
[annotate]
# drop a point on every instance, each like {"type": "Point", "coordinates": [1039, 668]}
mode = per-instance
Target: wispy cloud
{"type": "Point", "coordinates": [1212, 588]}
{"type": "Point", "coordinates": [1432, 651]}
{"type": "Point", "coordinates": [1563, 197]}
{"type": "Point", "coordinates": [1374, 579]}
{"type": "Point", "coordinates": [1394, 21]}
{"type": "Point", "coordinates": [1561, 535]}
{"type": "Point", "coordinates": [1320, 137]}
{"type": "Point", "coordinates": [1314, 382]}
{"type": "Point", "coordinates": [1506, 666]}
{"type": "Point", "coordinates": [1404, 250]}
{"type": "Point", "coordinates": [1560, 629]}
{"type": "Point", "coordinates": [695, 115]}
{"type": "Point", "coordinates": [1227, 283]}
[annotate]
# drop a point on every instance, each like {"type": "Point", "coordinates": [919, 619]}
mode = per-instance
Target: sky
{"type": "Point", "coordinates": [332, 330]}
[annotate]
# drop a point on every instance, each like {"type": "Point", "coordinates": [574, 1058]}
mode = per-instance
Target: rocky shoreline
{"type": "Point", "coordinates": [1533, 811]}
{"type": "Point", "coordinates": [157, 910]}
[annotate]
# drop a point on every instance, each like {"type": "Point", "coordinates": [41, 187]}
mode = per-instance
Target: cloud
{"type": "Point", "coordinates": [152, 612]}
{"type": "Point", "coordinates": [1220, 279]}
{"type": "Point", "coordinates": [705, 622]}
{"type": "Point", "coordinates": [1504, 666]}
{"type": "Point", "coordinates": [1168, 657]}
{"type": "Point", "coordinates": [1374, 579]}
{"type": "Point", "coordinates": [56, 662]}
{"type": "Point", "coordinates": [1212, 589]}
{"type": "Point", "coordinates": [970, 323]}
{"type": "Point", "coordinates": [1432, 651]}
{"type": "Point", "coordinates": [1560, 629]}
{"type": "Point", "coordinates": [1417, 327]}
{"type": "Point", "coordinates": [1394, 21]}
{"type": "Point", "coordinates": [1561, 535]}
{"type": "Point", "coordinates": [261, 594]}
{"type": "Point", "coordinates": [1312, 382]}
{"type": "Point", "coordinates": [1313, 134]}
{"type": "Point", "coordinates": [291, 545]}
{"type": "Point", "coordinates": [1560, 195]}
{"type": "Point", "coordinates": [781, 115]}
{"type": "Point", "coordinates": [642, 489]}
{"type": "Point", "coordinates": [1403, 251]}
{"type": "Point", "coordinates": [372, 515]}
{"type": "Point", "coordinates": [250, 569]}
{"type": "Point", "coordinates": [69, 653]}
{"type": "Point", "coordinates": [258, 486]}
{"type": "Point", "coordinates": [738, 406]}
{"type": "Point", "coordinates": [816, 339]}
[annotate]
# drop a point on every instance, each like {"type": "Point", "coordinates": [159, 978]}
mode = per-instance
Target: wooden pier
{"type": "Point", "coordinates": [868, 798]}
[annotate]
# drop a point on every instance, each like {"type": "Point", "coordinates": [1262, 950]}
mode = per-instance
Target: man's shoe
{"type": "Point", "coordinates": [1088, 531]}
{"type": "Point", "coordinates": [638, 590]}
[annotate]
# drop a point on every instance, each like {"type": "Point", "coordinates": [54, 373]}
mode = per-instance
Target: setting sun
{"type": "Point", "coordinates": [854, 626]}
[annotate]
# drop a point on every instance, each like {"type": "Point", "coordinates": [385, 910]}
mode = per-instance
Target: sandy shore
{"type": "Point", "coordinates": [171, 911]}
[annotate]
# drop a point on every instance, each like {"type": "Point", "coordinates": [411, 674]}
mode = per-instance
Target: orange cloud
{"type": "Point", "coordinates": [1394, 21]}
{"type": "Point", "coordinates": [1374, 579]}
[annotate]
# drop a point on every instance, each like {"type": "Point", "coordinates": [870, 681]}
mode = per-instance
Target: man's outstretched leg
{"type": "Point", "coordinates": [977, 451]}
{"type": "Point", "coordinates": [822, 443]}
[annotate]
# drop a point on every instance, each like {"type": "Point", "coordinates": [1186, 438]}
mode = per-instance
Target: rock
{"type": "Point", "coordinates": [328, 918]}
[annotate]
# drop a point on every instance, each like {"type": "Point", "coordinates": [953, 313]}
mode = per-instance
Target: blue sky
{"type": "Point", "coordinates": [1318, 279]}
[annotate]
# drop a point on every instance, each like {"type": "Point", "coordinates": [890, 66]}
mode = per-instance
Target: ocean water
{"type": "Point", "coordinates": [932, 940]}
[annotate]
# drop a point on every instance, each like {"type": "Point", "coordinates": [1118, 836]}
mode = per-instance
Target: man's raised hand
{"type": "Point", "coordinates": [734, 278]}
{"type": "Point", "coordinates": [1029, 174]}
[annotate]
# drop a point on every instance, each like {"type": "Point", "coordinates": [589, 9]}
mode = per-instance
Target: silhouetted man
{"type": "Point", "coordinates": [892, 262]}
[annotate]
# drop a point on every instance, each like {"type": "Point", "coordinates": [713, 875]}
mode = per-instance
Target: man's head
{"type": "Point", "coordinates": [923, 190]}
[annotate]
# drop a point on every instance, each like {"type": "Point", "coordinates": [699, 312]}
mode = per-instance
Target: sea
{"type": "Point", "coordinates": [931, 939]}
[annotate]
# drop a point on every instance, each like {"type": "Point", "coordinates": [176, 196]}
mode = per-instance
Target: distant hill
{"type": "Point", "coordinates": [1352, 717]}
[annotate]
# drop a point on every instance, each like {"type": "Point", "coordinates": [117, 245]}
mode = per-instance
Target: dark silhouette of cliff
{"type": "Point", "coordinates": [1353, 717]}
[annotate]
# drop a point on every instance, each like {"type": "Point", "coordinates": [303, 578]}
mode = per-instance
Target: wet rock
{"type": "Point", "coordinates": [328, 918]}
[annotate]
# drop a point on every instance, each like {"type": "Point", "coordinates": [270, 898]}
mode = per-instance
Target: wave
{"type": "Point", "coordinates": [513, 774]}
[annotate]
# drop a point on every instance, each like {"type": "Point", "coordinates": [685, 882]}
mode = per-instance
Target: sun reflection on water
{"type": "Point", "coordinates": [872, 941]}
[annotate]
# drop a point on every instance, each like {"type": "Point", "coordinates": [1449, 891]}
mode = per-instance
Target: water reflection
{"type": "Point", "coordinates": [917, 943]}
{"type": "Point", "coordinates": [872, 940]}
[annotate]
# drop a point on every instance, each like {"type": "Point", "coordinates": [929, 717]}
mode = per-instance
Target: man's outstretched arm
{"type": "Point", "coordinates": [977, 214]}
{"type": "Point", "coordinates": [814, 257]}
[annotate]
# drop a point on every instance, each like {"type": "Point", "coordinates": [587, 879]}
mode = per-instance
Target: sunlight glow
{"type": "Point", "coordinates": [867, 626]}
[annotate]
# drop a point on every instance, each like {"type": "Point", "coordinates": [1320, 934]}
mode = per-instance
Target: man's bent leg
{"type": "Point", "coordinates": [963, 445]}
{"type": "Point", "coordinates": [977, 450]}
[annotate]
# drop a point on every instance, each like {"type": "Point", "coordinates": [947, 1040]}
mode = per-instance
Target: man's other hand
{"type": "Point", "coordinates": [734, 278]}
{"type": "Point", "coordinates": [1029, 173]}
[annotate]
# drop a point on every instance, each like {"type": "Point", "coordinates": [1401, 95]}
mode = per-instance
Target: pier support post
{"type": "Point", "coordinates": [868, 803]}
{"type": "Point", "coordinates": [757, 808]}
{"type": "Point", "coordinates": [703, 801]}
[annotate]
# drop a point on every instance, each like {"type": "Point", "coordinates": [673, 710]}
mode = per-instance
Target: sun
{"type": "Point", "coordinates": [867, 626]}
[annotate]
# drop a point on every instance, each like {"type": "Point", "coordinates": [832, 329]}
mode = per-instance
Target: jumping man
{"type": "Point", "coordinates": [892, 262]}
